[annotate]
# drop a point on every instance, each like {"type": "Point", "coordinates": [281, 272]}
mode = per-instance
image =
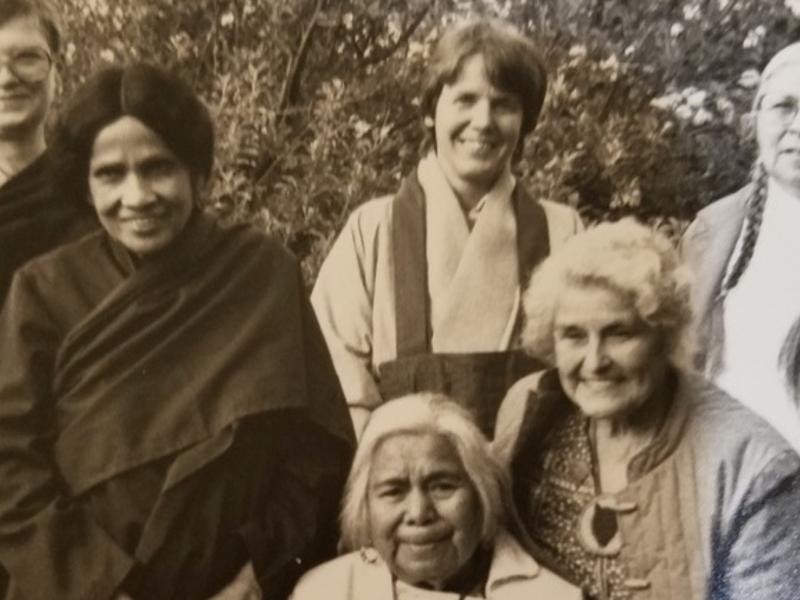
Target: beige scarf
{"type": "Point", "coordinates": [473, 277]}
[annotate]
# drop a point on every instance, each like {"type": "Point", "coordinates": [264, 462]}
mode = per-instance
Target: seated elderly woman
{"type": "Point", "coordinates": [426, 513]}
{"type": "Point", "coordinates": [641, 479]}
{"type": "Point", "coordinates": [171, 425]}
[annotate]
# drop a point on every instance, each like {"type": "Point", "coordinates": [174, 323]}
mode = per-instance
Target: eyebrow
{"type": "Point", "coordinates": [439, 473]}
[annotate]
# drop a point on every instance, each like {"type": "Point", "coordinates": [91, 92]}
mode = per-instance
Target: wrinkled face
{"type": "Point", "coordinates": [477, 127]}
{"type": "Point", "coordinates": [142, 192]}
{"type": "Point", "coordinates": [424, 513]}
{"type": "Point", "coordinates": [609, 361]}
{"type": "Point", "coordinates": [24, 104]}
{"type": "Point", "coordinates": [778, 127]}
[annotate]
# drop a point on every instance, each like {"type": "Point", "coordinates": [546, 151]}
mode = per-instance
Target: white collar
{"type": "Point", "coordinates": [509, 562]}
{"type": "Point", "coordinates": [435, 185]}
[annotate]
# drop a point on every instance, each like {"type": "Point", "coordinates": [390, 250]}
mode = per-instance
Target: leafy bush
{"type": "Point", "coordinates": [316, 102]}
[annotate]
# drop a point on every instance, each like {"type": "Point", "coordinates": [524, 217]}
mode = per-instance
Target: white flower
{"type": "Point", "coordinates": [702, 116]}
{"type": "Point", "coordinates": [610, 64]}
{"type": "Point", "coordinates": [697, 99]}
{"type": "Point", "coordinates": [726, 109]}
{"type": "Point", "coordinates": [249, 8]}
{"type": "Point", "coordinates": [676, 29]}
{"type": "Point", "coordinates": [416, 49]}
{"type": "Point", "coordinates": [723, 4]}
{"type": "Point", "coordinates": [667, 102]}
{"type": "Point", "coordinates": [689, 91]}
{"type": "Point", "coordinates": [629, 50]}
{"type": "Point", "coordinates": [691, 12]}
{"type": "Point", "coordinates": [577, 51]}
{"type": "Point", "coordinates": [361, 127]}
{"type": "Point", "coordinates": [684, 113]}
{"type": "Point", "coordinates": [69, 53]}
{"type": "Point", "coordinates": [384, 131]}
{"type": "Point", "coordinates": [107, 55]}
{"type": "Point", "coordinates": [227, 19]}
{"type": "Point", "coordinates": [749, 78]}
{"type": "Point", "coordinates": [754, 37]}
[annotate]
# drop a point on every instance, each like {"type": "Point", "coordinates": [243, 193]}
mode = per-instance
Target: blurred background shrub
{"type": "Point", "coordinates": [316, 101]}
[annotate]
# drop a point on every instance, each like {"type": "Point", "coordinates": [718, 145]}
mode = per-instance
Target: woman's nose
{"type": "Point", "coordinates": [596, 358]}
{"type": "Point", "coordinates": [137, 192]}
{"type": "Point", "coordinates": [419, 508]}
{"type": "Point", "coordinates": [481, 113]}
{"type": "Point", "coordinates": [7, 77]}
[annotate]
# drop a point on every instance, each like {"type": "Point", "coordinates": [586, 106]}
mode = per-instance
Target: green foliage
{"type": "Point", "coordinates": [316, 101]}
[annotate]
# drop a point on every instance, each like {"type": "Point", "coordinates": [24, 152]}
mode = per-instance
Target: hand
{"type": "Point", "coordinates": [243, 587]}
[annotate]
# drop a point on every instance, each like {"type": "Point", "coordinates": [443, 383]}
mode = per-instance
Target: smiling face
{"type": "Point", "coordinates": [778, 127]}
{"type": "Point", "coordinates": [609, 361]}
{"type": "Point", "coordinates": [424, 513]}
{"type": "Point", "coordinates": [23, 104]}
{"type": "Point", "coordinates": [477, 128]}
{"type": "Point", "coordinates": [142, 192]}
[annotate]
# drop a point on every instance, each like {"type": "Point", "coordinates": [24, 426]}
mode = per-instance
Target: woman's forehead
{"type": "Point", "coordinates": [783, 80]}
{"type": "Point", "coordinates": [414, 452]}
{"type": "Point", "coordinates": [593, 302]}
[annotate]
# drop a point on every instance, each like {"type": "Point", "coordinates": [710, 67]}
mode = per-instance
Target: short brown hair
{"type": "Point", "coordinates": [512, 63]}
{"type": "Point", "coordinates": [49, 19]}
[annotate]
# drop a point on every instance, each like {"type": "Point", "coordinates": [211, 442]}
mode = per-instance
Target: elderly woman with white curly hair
{"type": "Point", "coordinates": [639, 478]}
{"type": "Point", "coordinates": [427, 515]}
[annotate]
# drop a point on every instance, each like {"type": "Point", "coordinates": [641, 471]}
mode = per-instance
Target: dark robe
{"type": "Point", "coordinates": [162, 424]}
{"type": "Point", "coordinates": [33, 220]}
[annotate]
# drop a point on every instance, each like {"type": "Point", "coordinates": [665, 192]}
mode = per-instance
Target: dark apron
{"type": "Point", "coordinates": [476, 380]}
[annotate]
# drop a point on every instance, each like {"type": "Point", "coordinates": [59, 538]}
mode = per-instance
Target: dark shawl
{"type": "Point", "coordinates": [33, 221]}
{"type": "Point", "coordinates": [108, 370]}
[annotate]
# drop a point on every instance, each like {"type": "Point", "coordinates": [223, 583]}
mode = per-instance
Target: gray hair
{"type": "Point", "coordinates": [425, 413]}
{"type": "Point", "coordinates": [625, 257]}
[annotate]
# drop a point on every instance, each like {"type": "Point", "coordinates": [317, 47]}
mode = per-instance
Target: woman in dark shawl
{"type": "Point", "coordinates": [171, 425]}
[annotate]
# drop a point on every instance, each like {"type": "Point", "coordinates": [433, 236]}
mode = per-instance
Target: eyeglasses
{"type": "Point", "coordinates": [30, 65]}
{"type": "Point", "coordinates": [782, 109]}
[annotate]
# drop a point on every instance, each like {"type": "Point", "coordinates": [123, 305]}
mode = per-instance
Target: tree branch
{"type": "Point", "coordinates": [404, 37]}
{"type": "Point", "coordinates": [291, 85]}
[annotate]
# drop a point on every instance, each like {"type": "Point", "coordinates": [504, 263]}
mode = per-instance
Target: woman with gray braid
{"type": "Point", "coordinates": [744, 250]}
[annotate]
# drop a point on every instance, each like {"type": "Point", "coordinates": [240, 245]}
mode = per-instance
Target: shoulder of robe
{"type": "Point", "coordinates": [371, 214]}
{"type": "Point", "coordinates": [65, 261]}
{"type": "Point", "coordinates": [729, 207]}
{"type": "Point", "coordinates": [510, 415]}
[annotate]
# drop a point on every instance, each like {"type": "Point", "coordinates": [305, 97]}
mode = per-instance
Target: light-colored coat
{"type": "Point", "coordinates": [362, 575]}
{"type": "Point", "coordinates": [712, 500]}
{"type": "Point", "coordinates": [707, 247]}
{"type": "Point", "coordinates": [354, 296]}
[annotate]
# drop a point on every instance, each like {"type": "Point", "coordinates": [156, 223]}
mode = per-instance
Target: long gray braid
{"type": "Point", "coordinates": [752, 226]}
{"type": "Point", "coordinates": [789, 361]}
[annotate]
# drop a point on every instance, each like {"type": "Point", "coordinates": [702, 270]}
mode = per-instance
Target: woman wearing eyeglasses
{"type": "Point", "coordinates": [744, 251]}
{"type": "Point", "coordinates": [33, 219]}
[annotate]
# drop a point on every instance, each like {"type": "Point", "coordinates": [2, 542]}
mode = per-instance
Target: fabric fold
{"type": "Point", "coordinates": [473, 276]}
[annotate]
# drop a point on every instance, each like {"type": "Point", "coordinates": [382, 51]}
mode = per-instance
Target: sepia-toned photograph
{"type": "Point", "coordinates": [399, 300]}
